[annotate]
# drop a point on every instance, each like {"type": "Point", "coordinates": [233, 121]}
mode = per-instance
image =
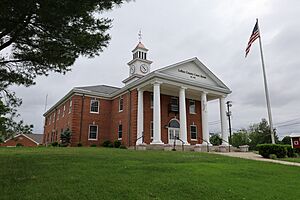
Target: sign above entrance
{"type": "Point", "coordinates": [192, 75]}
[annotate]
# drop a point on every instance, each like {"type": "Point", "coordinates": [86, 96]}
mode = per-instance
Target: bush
{"type": "Point", "coordinates": [106, 143]}
{"type": "Point", "coordinates": [272, 156]}
{"type": "Point", "coordinates": [79, 145]}
{"type": "Point", "coordinates": [291, 153]}
{"type": "Point", "coordinates": [215, 140]}
{"type": "Point", "coordinates": [63, 145]}
{"type": "Point", "coordinates": [110, 145]}
{"type": "Point", "coordinates": [19, 145]}
{"type": "Point", "coordinates": [54, 144]}
{"type": "Point", "coordinates": [93, 145]}
{"type": "Point", "coordinates": [266, 149]}
{"type": "Point", "coordinates": [117, 143]}
{"type": "Point", "coordinates": [123, 147]}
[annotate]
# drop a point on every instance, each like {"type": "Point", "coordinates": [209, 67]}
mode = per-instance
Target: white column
{"type": "Point", "coordinates": [182, 115]}
{"type": "Point", "coordinates": [204, 114]}
{"type": "Point", "coordinates": [156, 114]}
{"type": "Point", "coordinates": [224, 129]}
{"type": "Point", "coordinates": [140, 117]}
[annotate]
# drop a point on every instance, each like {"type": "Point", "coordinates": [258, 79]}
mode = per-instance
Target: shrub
{"type": "Point", "coordinates": [54, 144]}
{"type": "Point", "coordinates": [106, 143]}
{"type": "Point", "coordinates": [215, 140]}
{"type": "Point", "coordinates": [110, 145]}
{"type": "Point", "coordinates": [272, 156]}
{"type": "Point", "coordinates": [93, 145]}
{"type": "Point", "coordinates": [123, 147]}
{"type": "Point", "coordinates": [19, 145]}
{"type": "Point", "coordinates": [117, 143]}
{"type": "Point", "coordinates": [79, 145]}
{"type": "Point", "coordinates": [63, 145]}
{"type": "Point", "coordinates": [266, 149]}
{"type": "Point", "coordinates": [291, 153]}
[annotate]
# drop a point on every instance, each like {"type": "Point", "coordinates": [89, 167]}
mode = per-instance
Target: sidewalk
{"type": "Point", "coordinates": [254, 156]}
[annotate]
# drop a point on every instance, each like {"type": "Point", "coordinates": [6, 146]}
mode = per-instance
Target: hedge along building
{"type": "Point", "coordinates": [153, 107]}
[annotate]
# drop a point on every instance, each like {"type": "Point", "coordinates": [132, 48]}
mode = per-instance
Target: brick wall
{"type": "Point", "coordinates": [20, 139]}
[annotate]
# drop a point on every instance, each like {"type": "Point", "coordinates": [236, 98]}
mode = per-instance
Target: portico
{"type": "Point", "coordinates": [162, 88]}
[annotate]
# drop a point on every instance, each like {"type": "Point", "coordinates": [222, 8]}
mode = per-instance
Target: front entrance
{"type": "Point", "coordinates": [174, 131]}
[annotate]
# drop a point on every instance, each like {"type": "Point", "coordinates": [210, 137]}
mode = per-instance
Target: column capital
{"type": "Point", "coordinates": [204, 92]}
{"type": "Point", "coordinates": [140, 89]}
{"type": "Point", "coordinates": [183, 88]}
{"type": "Point", "coordinates": [223, 96]}
{"type": "Point", "coordinates": [156, 82]}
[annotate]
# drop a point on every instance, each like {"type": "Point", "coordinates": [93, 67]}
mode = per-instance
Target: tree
{"type": "Point", "coordinates": [37, 37]}
{"type": "Point", "coordinates": [286, 140]}
{"type": "Point", "coordinates": [66, 137]}
{"type": "Point", "coordinates": [260, 134]}
{"type": "Point", "coordinates": [215, 140]}
{"type": "Point", "coordinates": [240, 138]}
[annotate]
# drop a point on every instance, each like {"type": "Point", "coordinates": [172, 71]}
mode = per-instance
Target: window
{"type": "Point", "coordinates": [70, 106]}
{"type": "Point", "coordinates": [151, 100]}
{"type": "Point", "coordinates": [121, 104]}
{"type": "Point", "coordinates": [94, 106]}
{"type": "Point", "coordinates": [93, 132]}
{"type": "Point", "coordinates": [151, 129]}
{"type": "Point", "coordinates": [58, 113]}
{"type": "Point", "coordinates": [53, 117]}
{"type": "Point", "coordinates": [193, 132]}
{"type": "Point", "coordinates": [120, 131]}
{"type": "Point", "coordinates": [192, 107]}
{"type": "Point", "coordinates": [64, 109]}
{"type": "Point", "coordinates": [49, 121]}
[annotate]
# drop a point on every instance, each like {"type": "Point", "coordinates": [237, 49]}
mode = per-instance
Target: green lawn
{"type": "Point", "coordinates": [291, 159]}
{"type": "Point", "coordinates": [99, 173]}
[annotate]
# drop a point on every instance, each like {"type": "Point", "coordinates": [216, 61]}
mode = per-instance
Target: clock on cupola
{"type": "Point", "coordinates": [139, 66]}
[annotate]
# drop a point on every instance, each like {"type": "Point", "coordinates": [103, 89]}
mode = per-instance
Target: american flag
{"type": "Point", "coordinates": [253, 37]}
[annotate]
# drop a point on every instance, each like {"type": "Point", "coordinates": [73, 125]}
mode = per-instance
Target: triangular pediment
{"type": "Point", "coordinates": [193, 70]}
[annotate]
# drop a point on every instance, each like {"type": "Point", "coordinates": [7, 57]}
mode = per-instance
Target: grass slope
{"type": "Point", "coordinates": [99, 173]}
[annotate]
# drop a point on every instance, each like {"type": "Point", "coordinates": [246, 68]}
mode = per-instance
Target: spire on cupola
{"type": "Point", "coordinates": [139, 66]}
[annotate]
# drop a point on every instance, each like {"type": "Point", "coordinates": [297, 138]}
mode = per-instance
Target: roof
{"type": "Point", "coordinates": [104, 89]}
{"type": "Point", "coordinates": [36, 138]}
{"type": "Point", "coordinates": [295, 135]}
{"type": "Point", "coordinates": [140, 46]}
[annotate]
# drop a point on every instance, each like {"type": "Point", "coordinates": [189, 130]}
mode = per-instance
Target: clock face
{"type": "Point", "coordinates": [144, 68]}
{"type": "Point", "coordinates": [132, 69]}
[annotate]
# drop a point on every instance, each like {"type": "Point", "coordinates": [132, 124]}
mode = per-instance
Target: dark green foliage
{"type": "Point", "coordinates": [110, 145]}
{"type": "Point", "coordinates": [266, 150]}
{"type": "Point", "coordinates": [19, 145]}
{"type": "Point", "coordinates": [38, 37]}
{"type": "Point", "coordinates": [106, 143]}
{"type": "Point", "coordinates": [273, 156]}
{"type": "Point", "coordinates": [63, 145]}
{"type": "Point", "coordinates": [123, 147]}
{"type": "Point", "coordinates": [66, 137]}
{"type": "Point", "coordinates": [286, 140]}
{"type": "Point", "coordinates": [215, 140]}
{"type": "Point", "coordinates": [93, 145]}
{"type": "Point", "coordinates": [117, 143]}
{"type": "Point", "coordinates": [79, 145]}
{"type": "Point", "coordinates": [54, 144]}
{"type": "Point", "coordinates": [291, 152]}
{"type": "Point", "coordinates": [260, 134]}
{"type": "Point", "coordinates": [240, 138]}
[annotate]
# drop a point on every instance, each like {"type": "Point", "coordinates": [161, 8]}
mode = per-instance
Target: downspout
{"type": "Point", "coordinates": [81, 117]}
{"type": "Point", "coordinates": [129, 117]}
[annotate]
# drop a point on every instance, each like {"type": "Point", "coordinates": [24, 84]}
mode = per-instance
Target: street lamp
{"type": "Point", "coordinates": [229, 104]}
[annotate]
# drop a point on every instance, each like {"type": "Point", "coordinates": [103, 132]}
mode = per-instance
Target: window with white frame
{"type": "Point", "coordinates": [151, 129]}
{"type": "Point", "coordinates": [58, 114]}
{"type": "Point", "coordinates": [151, 100]}
{"type": "Point", "coordinates": [70, 106]}
{"type": "Point", "coordinates": [94, 106]}
{"type": "Point", "coordinates": [93, 132]}
{"type": "Point", "coordinates": [120, 131]}
{"type": "Point", "coordinates": [193, 131]}
{"type": "Point", "coordinates": [64, 110]}
{"type": "Point", "coordinates": [49, 121]}
{"type": "Point", "coordinates": [192, 107]}
{"type": "Point", "coordinates": [121, 104]}
{"type": "Point", "coordinates": [53, 117]}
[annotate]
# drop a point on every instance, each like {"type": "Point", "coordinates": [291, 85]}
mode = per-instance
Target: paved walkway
{"type": "Point", "coordinates": [254, 156]}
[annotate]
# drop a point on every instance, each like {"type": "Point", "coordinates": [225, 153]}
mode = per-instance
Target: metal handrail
{"type": "Point", "coordinates": [182, 143]}
{"type": "Point", "coordinates": [207, 143]}
{"type": "Point", "coordinates": [137, 140]}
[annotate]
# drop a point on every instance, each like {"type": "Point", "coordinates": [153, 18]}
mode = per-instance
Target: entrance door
{"type": "Point", "coordinates": [173, 133]}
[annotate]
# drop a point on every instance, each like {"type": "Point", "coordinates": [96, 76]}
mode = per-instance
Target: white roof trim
{"type": "Point", "coordinates": [295, 135]}
{"type": "Point", "coordinates": [21, 134]}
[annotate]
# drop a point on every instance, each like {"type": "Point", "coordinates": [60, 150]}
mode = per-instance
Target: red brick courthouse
{"type": "Point", "coordinates": [152, 107]}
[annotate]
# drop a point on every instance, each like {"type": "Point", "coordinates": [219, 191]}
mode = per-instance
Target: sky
{"type": "Point", "coordinates": [217, 33]}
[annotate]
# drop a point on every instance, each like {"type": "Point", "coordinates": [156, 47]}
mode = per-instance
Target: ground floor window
{"type": "Point", "coordinates": [93, 132]}
{"type": "Point", "coordinates": [193, 131]}
{"type": "Point", "coordinates": [151, 129]}
{"type": "Point", "coordinates": [120, 131]}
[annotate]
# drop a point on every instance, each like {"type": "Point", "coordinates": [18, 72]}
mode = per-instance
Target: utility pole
{"type": "Point", "coordinates": [229, 104]}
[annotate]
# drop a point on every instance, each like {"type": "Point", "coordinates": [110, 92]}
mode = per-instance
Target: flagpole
{"type": "Point", "coordinates": [266, 87]}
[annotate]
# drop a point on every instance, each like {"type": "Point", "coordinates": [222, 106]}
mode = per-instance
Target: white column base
{"type": "Point", "coordinates": [204, 144]}
{"type": "Point", "coordinates": [157, 142]}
